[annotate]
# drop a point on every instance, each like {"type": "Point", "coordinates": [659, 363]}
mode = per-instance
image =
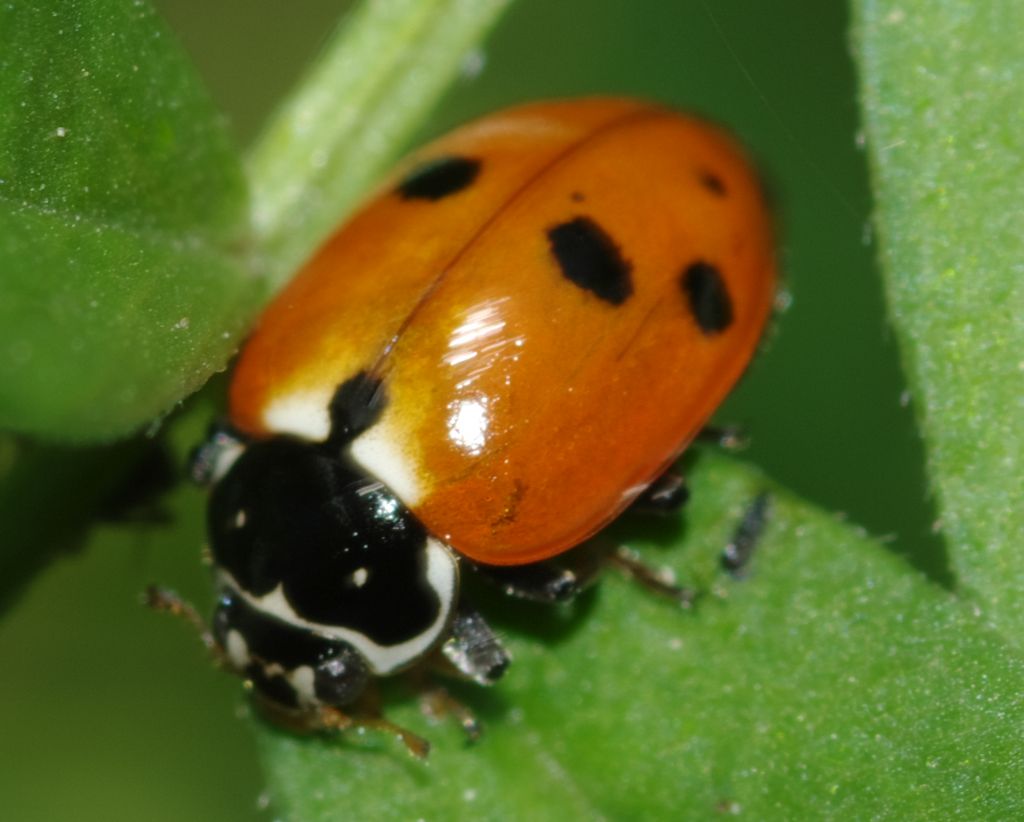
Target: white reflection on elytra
{"type": "Point", "coordinates": [467, 424]}
{"type": "Point", "coordinates": [476, 346]}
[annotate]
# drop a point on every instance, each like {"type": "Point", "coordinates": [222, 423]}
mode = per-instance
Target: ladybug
{"type": "Point", "coordinates": [500, 352]}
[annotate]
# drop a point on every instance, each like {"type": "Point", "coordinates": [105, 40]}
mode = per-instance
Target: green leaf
{"type": "Point", "coordinates": [945, 131]}
{"type": "Point", "coordinates": [122, 221]}
{"type": "Point", "coordinates": [383, 70]}
{"type": "Point", "coordinates": [831, 682]}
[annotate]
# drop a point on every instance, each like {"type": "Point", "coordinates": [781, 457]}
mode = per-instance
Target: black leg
{"type": "Point", "coordinates": [473, 649]}
{"type": "Point", "coordinates": [729, 437]}
{"type": "Point", "coordinates": [744, 540]}
{"type": "Point", "coordinates": [666, 495]}
{"type": "Point", "coordinates": [559, 579]}
{"type": "Point", "coordinates": [661, 581]}
{"type": "Point", "coordinates": [562, 578]}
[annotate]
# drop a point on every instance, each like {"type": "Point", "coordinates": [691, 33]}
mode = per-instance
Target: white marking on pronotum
{"type": "Point", "coordinates": [237, 650]}
{"type": "Point", "coordinates": [442, 576]}
{"type": "Point", "coordinates": [378, 453]}
{"type": "Point", "coordinates": [302, 680]}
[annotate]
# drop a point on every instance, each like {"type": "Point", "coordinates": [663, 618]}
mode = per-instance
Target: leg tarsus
{"type": "Point", "coordinates": [666, 495]}
{"type": "Point", "coordinates": [168, 601]}
{"type": "Point", "coordinates": [729, 437]}
{"type": "Point", "coordinates": [330, 719]}
{"type": "Point", "coordinates": [437, 704]}
{"type": "Point", "coordinates": [738, 552]}
{"type": "Point", "coordinates": [659, 580]}
{"type": "Point", "coordinates": [414, 743]}
{"type": "Point", "coordinates": [363, 715]}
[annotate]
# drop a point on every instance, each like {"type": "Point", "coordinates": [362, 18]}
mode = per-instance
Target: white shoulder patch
{"type": "Point", "coordinates": [382, 457]}
{"type": "Point", "coordinates": [303, 414]}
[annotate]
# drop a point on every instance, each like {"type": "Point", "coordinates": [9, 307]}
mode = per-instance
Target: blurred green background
{"type": "Point", "coordinates": [110, 712]}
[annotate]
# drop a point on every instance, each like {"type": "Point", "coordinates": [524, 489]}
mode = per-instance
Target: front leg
{"type": "Point", "coordinates": [473, 649]}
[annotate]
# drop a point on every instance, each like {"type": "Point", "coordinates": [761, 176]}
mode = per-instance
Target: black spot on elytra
{"type": "Point", "coordinates": [708, 297]}
{"type": "Point", "coordinates": [713, 183]}
{"type": "Point", "coordinates": [577, 197]}
{"type": "Point", "coordinates": [589, 258]}
{"type": "Point", "coordinates": [356, 405]}
{"type": "Point", "coordinates": [439, 178]}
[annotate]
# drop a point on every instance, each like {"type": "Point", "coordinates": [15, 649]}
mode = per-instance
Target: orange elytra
{"type": "Point", "coordinates": [555, 297]}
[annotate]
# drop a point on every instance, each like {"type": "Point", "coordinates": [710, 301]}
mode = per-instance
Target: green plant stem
{"type": "Point", "coordinates": [383, 69]}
